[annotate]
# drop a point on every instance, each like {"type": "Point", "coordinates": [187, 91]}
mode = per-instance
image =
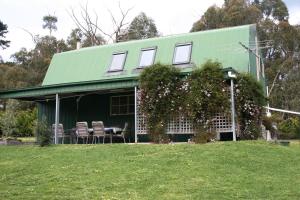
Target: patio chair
{"type": "Point", "coordinates": [123, 132]}
{"type": "Point", "coordinates": [98, 131]}
{"type": "Point", "coordinates": [60, 132]}
{"type": "Point", "coordinates": [82, 131]}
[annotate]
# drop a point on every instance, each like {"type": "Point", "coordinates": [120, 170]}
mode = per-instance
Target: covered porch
{"type": "Point", "coordinates": [112, 101]}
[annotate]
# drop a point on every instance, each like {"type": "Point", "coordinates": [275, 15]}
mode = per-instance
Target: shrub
{"type": "Point", "coordinates": [43, 133]}
{"type": "Point", "coordinates": [250, 99]}
{"type": "Point", "coordinates": [8, 119]}
{"type": "Point", "coordinates": [203, 136]}
{"type": "Point", "coordinates": [25, 122]}
{"type": "Point", "coordinates": [289, 128]}
{"type": "Point", "coordinates": [207, 96]}
{"type": "Point", "coordinates": [159, 97]}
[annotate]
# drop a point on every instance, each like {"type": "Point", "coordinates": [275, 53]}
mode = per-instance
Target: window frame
{"type": "Point", "coordinates": [153, 58]}
{"type": "Point", "coordinates": [123, 64]}
{"type": "Point", "coordinates": [175, 50]}
{"type": "Point", "coordinates": [128, 104]}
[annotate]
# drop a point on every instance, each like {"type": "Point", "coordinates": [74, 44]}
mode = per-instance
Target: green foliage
{"type": "Point", "coordinates": [43, 133]}
{"type": "Point", "coordinates": [26, 122]}
{"type": "Point", "coordinates": [200, 96]}
{"type": "Point", "coordinates": [3, 31]}
{"type": "Point", "coordinates": [8, 119]}
{"type": "Point", "coordinates": [232, 13]}
{"type": "Point", "coordinates": [142, 27]}
{"type": "Point", "coordinates": [50, 23]}
{"type": "Point", "coordinates": [289, 128]}
{"type": "Point", "coordinates": [159, 96]}
{"type": "Point", "coordinates": [13, 77]}
{"type": "Point", "coordinates": [275, 8]}
{"type": "Point", "coordinates": [17, 120]}
{"type": "Point", "coordinates": [250, 99]}
{"type": "Point", "coordinates": [33, 64]}
{"type": "Point", "coordinates": [207, 94]}
{"type": "Point", "coordinates": [203, 136]}
{"type": "Point", "coordinates": [280, 42]}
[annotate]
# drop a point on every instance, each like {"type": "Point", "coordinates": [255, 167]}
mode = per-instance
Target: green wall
{"type": "Point", "coordinates": [93, 107]}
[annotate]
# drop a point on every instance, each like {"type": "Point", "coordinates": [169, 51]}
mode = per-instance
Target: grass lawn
{"type": "Point", "coordinates": [241, 170]}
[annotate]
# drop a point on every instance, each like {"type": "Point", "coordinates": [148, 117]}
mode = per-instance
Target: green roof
{"type": "Point", "coordinates": [92, 64]}
{"type": "Point", "coordinates": [86, 69]}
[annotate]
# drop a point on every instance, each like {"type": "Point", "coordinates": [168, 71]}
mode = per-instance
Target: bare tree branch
{"type": "Point", "coordinates": [33, 37]}
{"type": "Point", "coordinates": [90, 28]}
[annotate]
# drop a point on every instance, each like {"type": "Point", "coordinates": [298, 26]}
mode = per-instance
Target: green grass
{"type": "Point", "coordinates": [241, 170]}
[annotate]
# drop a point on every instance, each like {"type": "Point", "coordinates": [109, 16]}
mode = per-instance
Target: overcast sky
{"type": "Point", "coordinates": [171, 17]}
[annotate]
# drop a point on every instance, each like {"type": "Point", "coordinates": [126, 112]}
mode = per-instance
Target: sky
{"type": "Point", "coordinates": [170, 16]}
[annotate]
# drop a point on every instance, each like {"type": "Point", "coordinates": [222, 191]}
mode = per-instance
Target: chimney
{"type": "Point", "coordinates": [78, 44]}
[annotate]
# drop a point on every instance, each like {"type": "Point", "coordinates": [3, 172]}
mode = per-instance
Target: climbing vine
{"type": "Point", "coordinates": [201, 95]}
{"type": "Point", "coordinates": [250, 99]}
{"type": "Point", "coordinates": [160, 97]}
{"type": "Point", "coordinates": [207, 95]}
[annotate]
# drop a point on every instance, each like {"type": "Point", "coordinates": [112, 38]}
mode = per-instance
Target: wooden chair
{"type": "Point", "coordinates": [60, 132]}
{"type": "Point", "coordinates": [98, 131]}
{"type": "Point", "coordinates": [123, 132]}
{"type": "Point", "coordinates": [82, 131]}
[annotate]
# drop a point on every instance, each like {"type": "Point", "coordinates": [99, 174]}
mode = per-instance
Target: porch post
{"type": "Point", "coordinates": [56, 117]}
{"type": "Point", "coordinates": [232, 110]}
{"type": "Point", "coordinates": [135, 115]}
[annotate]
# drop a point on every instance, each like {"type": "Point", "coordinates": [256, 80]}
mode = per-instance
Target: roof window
{"type": "Point", "coordinates": [117, 62]}
{"type": "Point", "coordinates": [182, 53]}
{"type": "Point", "coordinates": [147, 57]}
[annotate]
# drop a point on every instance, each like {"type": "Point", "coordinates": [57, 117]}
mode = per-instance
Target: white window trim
{"type": "Point", "coordinates": [153, 58]}
{"type": "Point", "coordinates": [112, 57]}
{"type": "Point", "coordinates": [128, 104]}
{"type": "Point", "coordinates": [190, 56]}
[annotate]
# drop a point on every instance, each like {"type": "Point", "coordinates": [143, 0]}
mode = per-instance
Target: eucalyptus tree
{"type": "Point", "coordinates": [142, 27]}
{"type": "Point", "coordinates": [50, 23]}
{"type": "Point", "coordinates": [3, 30]}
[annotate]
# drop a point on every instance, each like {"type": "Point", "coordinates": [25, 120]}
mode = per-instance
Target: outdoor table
{"type": "Point", "coordinates": [110, 130]}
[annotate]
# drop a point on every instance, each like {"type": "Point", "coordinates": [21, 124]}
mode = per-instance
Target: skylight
{"type": "Point", "coordinates": [147, 57]}
{"type": "Point", "coordinates": [118, 61]}
{"type": "Point", "coordinates": [182, 54]}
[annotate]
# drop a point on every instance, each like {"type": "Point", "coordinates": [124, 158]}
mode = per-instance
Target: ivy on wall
{"type": "Point", "coordinates": [201, 95]}
{"type": "Point", "coordinates": [207, 94]}
{"type": "Point", "coordinates": [250, 99]}
{"type": "Point", "coordinates": [160, 97]}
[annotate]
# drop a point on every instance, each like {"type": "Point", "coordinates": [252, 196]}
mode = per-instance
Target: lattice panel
{"type": "Point", "coordinates": [181, 124]}
{"type": "Point", "coordinates": [222, 124]}
{"type": "Point", "coordinates": [141, 119]}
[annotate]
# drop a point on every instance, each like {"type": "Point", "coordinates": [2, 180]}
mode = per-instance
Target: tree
{"type": "Point", "coordinates": [275, 9]}
{"type": "Point", "coordinates": [93, 32]}
{"type": "Point", "coordinates": [279, 46]}
{"type": "Point", "coordinates": [232, 13]}
{"type": "Point", "coordinates": [142, 27]}
{"type": "Point", "coordinates": [50, 23]}
{"type": "Point", "coordinates": [3, 31]}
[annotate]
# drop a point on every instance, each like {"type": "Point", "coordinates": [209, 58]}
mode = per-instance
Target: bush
{"type": "Point", "coordinates": [43, 133]}
{"type": "Point", "coordinates": [206, 98]}
{"type": "Point", "coordinates": [8, 119]}
{"type": "Point", "coordinates": [289, 128]}
{"type": "Point", "coordinates": [250, 99]}
{"type": "Point", "coordinates": [25, 122]}
{"type": "Point", "coordinates": [160, 97]}
{"type": "Point", "coordinates": [203, 136]}
{"type": "Point", "coordinates": [17, 122]}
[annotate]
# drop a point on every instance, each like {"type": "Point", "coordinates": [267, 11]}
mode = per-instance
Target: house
{"type": "Point", "coordinates": [101, 83]}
